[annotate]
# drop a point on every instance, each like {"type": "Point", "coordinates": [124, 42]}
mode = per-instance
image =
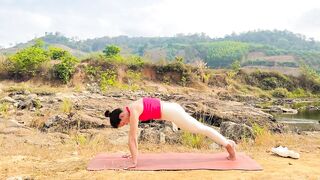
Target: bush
{"type": "Point", "coordinates": [57, 53]}
{"type": "Point", "coordinates": [65, 68]}
{"type": "Point", "coordinates": [299, 92]}
{"type": "Point", "coordinates": [28, 60]}
{"type": "Point", "coordinates": [108, 78]}
{"type": "Point", "coordinates": [269, 83]}
{"type": "Point", "coordinates": [135, 62]}
{"type": "Point", "coordinates": [280, 93]}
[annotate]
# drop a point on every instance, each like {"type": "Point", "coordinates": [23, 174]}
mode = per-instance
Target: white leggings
{"type": "Point", "coordinates": [175, 113]}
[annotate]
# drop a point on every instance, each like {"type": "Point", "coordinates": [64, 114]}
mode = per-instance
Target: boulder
{"type": "Point", "coordinates": [280, 109]}
{"type": "Point", "coordinates": [159, 134]}
{"type": "Point", "coordinates": [236, 131]}
{"type": "Point", "coordinates": [63, 123]}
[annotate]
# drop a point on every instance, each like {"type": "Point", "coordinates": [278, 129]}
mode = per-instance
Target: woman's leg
{"type": "Point", "coordinates": [175, 113]}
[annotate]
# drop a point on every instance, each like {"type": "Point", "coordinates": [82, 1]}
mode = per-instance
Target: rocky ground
{"type": "Point", "coordinates": [53, 134]}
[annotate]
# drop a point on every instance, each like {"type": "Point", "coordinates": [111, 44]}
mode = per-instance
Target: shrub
{"type": "Point", "coordinates": [280, 93]}
{"type": "Point", "coordinates": [235, 66]}
{"type": "Point", "coordinates": [134, 77]}
{"type": "Point", "coordinates": [135, 62]}
{"type": "Point", "coordinates": [57, 53]}
{"type": "Point", "coordinates": [65, 68]}
{"type": "Point", "coordinates": [269, 83]}
{"type": "Point", "coordinates": [108, 78]}
{"type": "Point", "coordinates": [28, 60]}
{"type": "Point", "coordinates": [299, 92]}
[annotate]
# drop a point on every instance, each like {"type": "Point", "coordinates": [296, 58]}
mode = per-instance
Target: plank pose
{"type": "Point", "coordinates": [152, 108]}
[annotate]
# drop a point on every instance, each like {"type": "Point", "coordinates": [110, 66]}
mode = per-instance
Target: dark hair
{"type": "Point", "coordinates": [114, 117]}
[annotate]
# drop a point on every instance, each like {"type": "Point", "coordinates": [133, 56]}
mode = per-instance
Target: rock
{"type": "Point", "coordinates": [59, 123]}
{"type": "Point", "coordinates": [11, 123]}
{"type": "Point", "coordinates": [313, 108]}
{"type": "Point", "coordinates": [162, 138]}
{"type": "Point", "coordinates": [159, 134]}
{"type": "Point", "coordinates": [30, 102]}
{"type": "Point", "coordinates": [24, 104]}
{"type": "Point", "coordinates": [149, 135]}
{"type": "Point", "coordinates": [171, 137]}
{"type": "Point", "coordinates": [280, 109]}
{"type": "Point", "coordinates": [8, 100]}
{"type": "Point", "coordinates": [84, 121]}
{"type": "Point", "coordinates": [19, 97]}
{"type": "Point", "coordinates": [20, 92]}
{"type": "Point", "coordinates": [236, 131]}
{"type": "Point", "coordinates": [20, 178]}
{"type": "Point", "coordinates": [51, 121]}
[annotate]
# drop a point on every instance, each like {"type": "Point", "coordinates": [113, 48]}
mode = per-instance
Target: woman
{"type": "Point", "coordinates": [152, 108]}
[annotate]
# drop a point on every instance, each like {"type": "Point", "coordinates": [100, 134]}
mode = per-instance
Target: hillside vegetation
{"type": "Point", "coordinates": [216, 52]}
{"type": "Point", "coordinates": [109, 69]}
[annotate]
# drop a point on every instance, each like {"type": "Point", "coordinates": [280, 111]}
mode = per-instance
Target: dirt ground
{"type": "Point", "coordinates": [32, 154]}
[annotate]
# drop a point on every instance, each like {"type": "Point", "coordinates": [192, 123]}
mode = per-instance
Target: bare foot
{"type": "Point", "coordinates": [231, 148]}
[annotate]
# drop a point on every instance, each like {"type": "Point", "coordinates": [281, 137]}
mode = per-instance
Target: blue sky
{"type": "Point", "coordinates": [22, 20]}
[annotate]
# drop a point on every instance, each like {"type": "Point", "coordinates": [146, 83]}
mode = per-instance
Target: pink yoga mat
{"type": "Point", "coordinates": [174, 161]}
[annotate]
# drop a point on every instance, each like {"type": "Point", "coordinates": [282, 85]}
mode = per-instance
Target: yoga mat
{"type": "Point", "coordinates": [174, 161]}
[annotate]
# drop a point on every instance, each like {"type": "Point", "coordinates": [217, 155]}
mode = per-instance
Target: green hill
{"type": "Point", "coordinates": [273, 47]}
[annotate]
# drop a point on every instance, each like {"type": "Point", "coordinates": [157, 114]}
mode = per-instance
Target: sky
{"type": "Point", "coordinates": [23, 20]}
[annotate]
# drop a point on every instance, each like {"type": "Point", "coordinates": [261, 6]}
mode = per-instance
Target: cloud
{"type": "Point", "coordinates": [309, 19]}
{"type": "Point", "coordinates": [23, 20]}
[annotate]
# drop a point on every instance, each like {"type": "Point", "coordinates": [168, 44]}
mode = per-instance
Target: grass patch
{"type": "Point", "coordinates": [66, 106]}
{"type": "Point", "coordinates": [197, 141]}
{"type": "Point", "coordinates": [33, 88]}
{"type": "Point", "coordinates": [4, 109]}
{"type": "Point", "coordinates": [303, 105]}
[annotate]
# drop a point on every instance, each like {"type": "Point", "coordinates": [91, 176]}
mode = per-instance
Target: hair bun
{"type": "Point", "coordinates": [107, 113]}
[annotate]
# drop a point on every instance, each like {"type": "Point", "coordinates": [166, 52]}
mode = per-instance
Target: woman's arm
{"type": "Point", "coordinates": [133, 142]}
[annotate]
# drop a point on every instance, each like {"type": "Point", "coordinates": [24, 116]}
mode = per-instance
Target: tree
{"type": "Point", "coordinates": [111, 51]}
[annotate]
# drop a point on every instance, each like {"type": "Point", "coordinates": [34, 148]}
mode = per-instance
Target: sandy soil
{"type": "Point", "coordinates": [29, 153]}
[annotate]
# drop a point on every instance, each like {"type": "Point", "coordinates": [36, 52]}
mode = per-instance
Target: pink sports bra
{"type": "Point", "coordinates": [151, 109]}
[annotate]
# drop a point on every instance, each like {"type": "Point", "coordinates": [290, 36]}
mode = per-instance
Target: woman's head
{"type": "Point", "coordinates": [117, 118]}
{"type": "Point", "coordinates": [114, 117]}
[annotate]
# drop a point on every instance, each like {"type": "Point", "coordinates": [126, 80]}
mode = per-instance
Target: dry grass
{"type": "Point", "coordinates": [66, 106]}
{"type": "Point", "coordinates": [37, 88]}
{"type": "Point", "coordinates": [69, 160]}
{"type": "Point", "coordinates": [3, 60]}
